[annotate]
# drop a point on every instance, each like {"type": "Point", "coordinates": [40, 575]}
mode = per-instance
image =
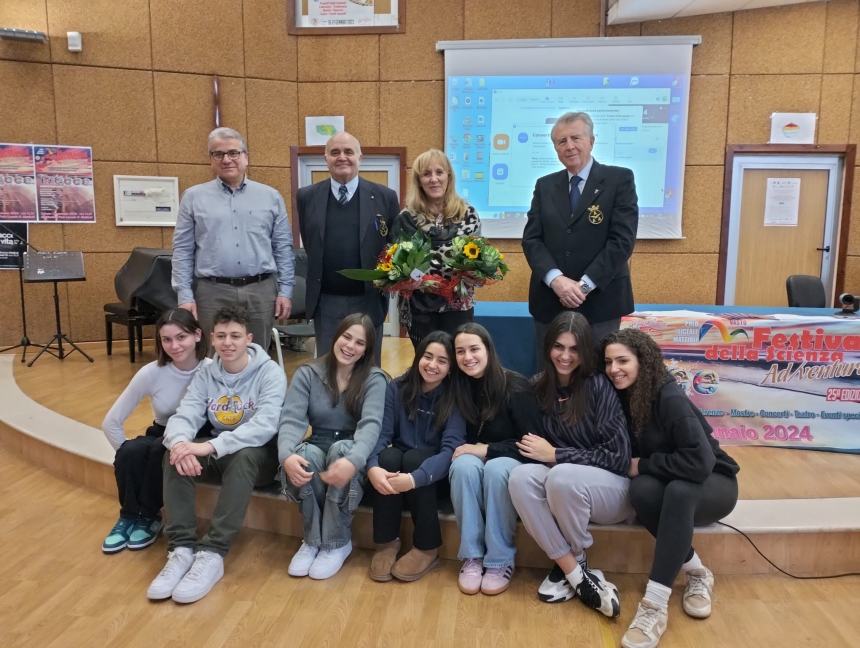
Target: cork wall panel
{"type": "Point", "coordinates": [109, 37]}
{"type": "Point", "coordinates": [184, 108]}
{"type": "Point", "coordinates": [87, 298]}
{"type": "Point", "coordinates": [852, 275]}
{"type": "Point", "coordinates": [202, 36]}
{"type": "Point", "coordinates": [674, 279]}
{"type": "Point", "coordinates": [411, 115]}
{"type": "Point", "coordinates": [834, 120]}
{"type": "Point", "coordinates": [26, 103]}
{"type": "Point", "coordinates": [357, 102]}
{"type": "Point", "coordinates": [104, 235]}
{"type": "Point", "coordinates": [102, 108]}
{"type": "Point", "coordinates": [575, 18]}
{"type": "Point", "coordinates": [39, 299]}
{"type": "Point", "coordinates": [412, 55]}
{"type": "Point", "coordinates": [272, 121]}
{"type": "Point", "coordinates": [24, 14]}
{"type": "Point", "coordinates": [47, 237]}
{"type": "Point", "coordinates": [714, 55]}
{"type": "Point", "coordinates": [338, 58]}
{"type": "Point", "coordinates": [497, 19]}
{"type": "Point", "coordinates": [702, 210]}
{"type": "Point", "coordinates": [752, 99]}
{"type": "Point", "coordinates": [854, 226]}
{"type": "Point", "coordinates": [188, 174]}
{"type": "Point", "coordinates": [626, 29]}
{"type": "Point", "coordinates": [854, 128]}
{"type": "Point", "coordinates": [277, 177]}
{"type": "Point", "coordinates": [840, 46]}
{"type": "Point", "coordinates": [708, 119]}
{"type": "Point", "coordinates": [515, 286]}
{"type": "Point", "coordinates": [780, 40]}
{"type": "Point", "coordinates": [270, 52]}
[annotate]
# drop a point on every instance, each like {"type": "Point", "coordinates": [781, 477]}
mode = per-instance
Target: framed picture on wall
{"type": "Point", "coordinates": [146, 200]}
{"type": "Point", "coordinates": [346, 16]}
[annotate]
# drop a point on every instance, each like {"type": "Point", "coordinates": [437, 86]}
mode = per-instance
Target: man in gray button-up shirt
{"type": "Point", "coordinates": [232, 243]}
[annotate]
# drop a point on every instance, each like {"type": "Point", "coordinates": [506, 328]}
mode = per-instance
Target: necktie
{"type": "Point", "coordinates": [341, 194]}
{"type": "Point", "coordinates": [574, 193]}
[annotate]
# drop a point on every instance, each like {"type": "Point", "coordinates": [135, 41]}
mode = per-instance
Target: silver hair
{"type": "Point", "coordinates": [223, 133]}
{"type": "Point", "coordinates": [569, 117]}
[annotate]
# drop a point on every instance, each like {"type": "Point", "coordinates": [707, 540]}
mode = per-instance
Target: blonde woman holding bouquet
{"type": "Point", "coordinates": [434, 209]}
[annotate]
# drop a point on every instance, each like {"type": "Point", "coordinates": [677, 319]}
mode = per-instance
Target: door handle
{"type": "Point", "coordinates": [826, 248]}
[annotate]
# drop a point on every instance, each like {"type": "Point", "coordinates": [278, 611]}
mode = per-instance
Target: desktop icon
{"type": "Point", "coordinates": [501, 141]}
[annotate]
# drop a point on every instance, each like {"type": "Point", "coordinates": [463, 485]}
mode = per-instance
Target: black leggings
{"type": "Point", "coordinates": [670, 510]}
{"type": "Point", "coordinates": [422, 503]}
{"type": "Point", "coordinates": [137, 468]}
{"type": "Point", "coordinates": [448, 321]}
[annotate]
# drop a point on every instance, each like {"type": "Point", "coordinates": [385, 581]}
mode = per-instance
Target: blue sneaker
{"type": "Point", "coordinates": [144, 532]}
{"type": "Point", "coordinates": [117, 539]}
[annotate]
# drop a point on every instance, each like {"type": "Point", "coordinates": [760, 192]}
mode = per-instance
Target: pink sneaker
{"type": "Point", "coordinates": [470, 576]}
{"type": "Point", "coordinates": [497, 579]}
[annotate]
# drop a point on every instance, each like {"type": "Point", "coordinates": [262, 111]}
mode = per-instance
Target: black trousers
{"type": "Point", "coordinates": [424, 323]}
{"type": "Point", "coordinates": [670, 510]}
{"type": "Point", "coordinates": [422, 503]}
{"type": "Point", "coordinates": [137, 468]}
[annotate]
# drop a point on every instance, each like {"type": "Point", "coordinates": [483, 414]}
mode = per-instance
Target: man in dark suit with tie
{"type": "Point", "coordinates": [345, 223]}
{"type": "Point", "coordinates": [580, 233]}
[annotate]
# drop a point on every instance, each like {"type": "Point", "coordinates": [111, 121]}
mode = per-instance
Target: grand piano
{"type": "Point", "coordinates": [143, 287]}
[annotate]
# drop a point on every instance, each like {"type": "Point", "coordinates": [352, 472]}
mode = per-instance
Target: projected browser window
{"type": "Point", "coordinates": [498, 136]}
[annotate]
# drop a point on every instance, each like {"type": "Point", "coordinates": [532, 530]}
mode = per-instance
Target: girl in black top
{"type": "Point", "coordinates": [681, 478]}
{"type": "Point", "coordinates": [499, 407]}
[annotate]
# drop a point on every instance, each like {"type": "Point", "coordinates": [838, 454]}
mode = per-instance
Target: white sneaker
{"type": "Point", "coordinates": [301, 563]}
{"type": "Point", "coordinates": [329, 561]}
{"type": "Point", "coordinates": [647, 627]}
{"type": "Point", "coordinates": [698, 592]}
{"type": "Point", "coordinates": [598, 593]}
{"type": "Point", "coordinates": [179, 561]}
{"type": "Point", "coordinates": [208, 569]}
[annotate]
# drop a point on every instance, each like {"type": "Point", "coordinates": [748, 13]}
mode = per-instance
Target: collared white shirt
{"type": "Point", "coordinates": [351, 188]}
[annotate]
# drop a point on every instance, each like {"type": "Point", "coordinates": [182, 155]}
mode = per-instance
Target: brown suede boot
{"type": "Point", "coordinates": [414, 564]}
{"type": "Point", "coordinates": [383, 559]}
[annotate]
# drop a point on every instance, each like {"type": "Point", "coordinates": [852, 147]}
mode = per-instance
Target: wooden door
{"type": "Point", "coordinates": [768, 254]}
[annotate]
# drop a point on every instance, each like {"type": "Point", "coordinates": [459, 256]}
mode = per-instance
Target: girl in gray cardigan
{"type": "Point", "coordinates": [342, 397]}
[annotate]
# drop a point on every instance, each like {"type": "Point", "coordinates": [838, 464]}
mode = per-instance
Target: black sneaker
{"type": "Point", "coordinates": [555, 588]}
{"type": "Point", "coordinates": [598, 594]}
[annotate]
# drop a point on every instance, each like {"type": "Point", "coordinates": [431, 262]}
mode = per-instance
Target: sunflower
{"type": "Point", "coordinates": [471, 250]}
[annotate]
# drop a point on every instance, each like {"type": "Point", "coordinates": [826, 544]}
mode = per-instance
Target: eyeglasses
{"type": "Point", "coordinates": [232, 154]}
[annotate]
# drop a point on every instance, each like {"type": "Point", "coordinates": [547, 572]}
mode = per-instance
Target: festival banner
{"type": "Point", "coordinates": [774, 380]}
{"type": "Point", "coordinates": [64, 181]}
{"type": "Point", "coordinates": [17, 183]}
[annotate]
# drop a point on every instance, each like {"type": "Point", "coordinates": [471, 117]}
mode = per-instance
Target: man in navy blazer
{"type": "Point", "coordinates": [580, 233]}
{"type": "Point", "coordinates": [345, 222]}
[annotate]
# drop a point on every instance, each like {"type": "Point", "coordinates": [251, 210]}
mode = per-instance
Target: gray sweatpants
{"type": "Point", "coordinates": [557, 503]}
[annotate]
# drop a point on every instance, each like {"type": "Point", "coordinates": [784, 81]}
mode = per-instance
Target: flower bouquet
{"type": "Point", "coordinates": [475, 263]}
{"type": "Point", "coordinates": [402, 268]}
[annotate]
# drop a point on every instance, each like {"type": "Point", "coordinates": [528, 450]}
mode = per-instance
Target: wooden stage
{"type": "Point", "coordinates": [60, 590]}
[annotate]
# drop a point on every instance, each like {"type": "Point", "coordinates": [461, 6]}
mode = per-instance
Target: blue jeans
{"type": "Point", "coordinates": [326, 510]}
{"type": "Point", "coordinates": [485, 514]}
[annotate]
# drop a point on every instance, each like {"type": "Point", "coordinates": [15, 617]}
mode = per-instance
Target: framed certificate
{"type": "Point", "coordinates": [346, 16]}
{"type": "Point", "coordinates": [146, 200]}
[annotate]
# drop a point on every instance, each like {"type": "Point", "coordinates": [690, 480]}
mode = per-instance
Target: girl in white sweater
{"type": "Point", "coordinates": [180, 349]}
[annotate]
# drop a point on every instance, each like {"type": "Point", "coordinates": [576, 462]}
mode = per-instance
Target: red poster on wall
{"type": "Point", "coordinates": [64, 182]}
{"type": "Point", "coordinates": [17, 183]}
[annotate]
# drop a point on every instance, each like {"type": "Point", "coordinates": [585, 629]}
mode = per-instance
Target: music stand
{"type": "Point", "coordinates": [41, 267]}
{"type": "Point", "coordinates": [25, 343]}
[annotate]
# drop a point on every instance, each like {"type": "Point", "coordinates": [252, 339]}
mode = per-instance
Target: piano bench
{"type": "Point", "coordinates": [133, 320]}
